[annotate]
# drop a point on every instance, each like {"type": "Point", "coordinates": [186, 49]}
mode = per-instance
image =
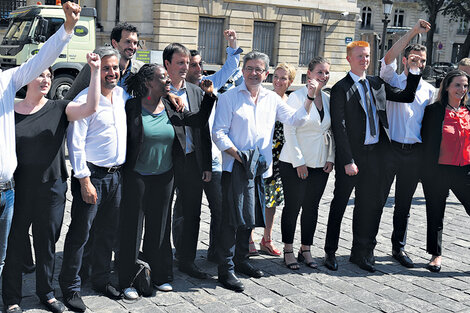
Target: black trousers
{"type": "Point", "coordinates": [213, 191]}
{"type": "Point", "coordinates": [146, 196]}
{"type": "Point", "coordinates": [305, 193]}
{"type": "Point", "coordinates": [436, 188]}
{"type": "Point", "coordinates": [402, 161]}
{"type": "Point", "coordinates": [104, 216]}
{"type": "Point", "coordinates": [367, 203]}
{"type": "Point", "coordinates": [187, 210]}
{"type": "Point", "coordinates": [42, 205]}
{"type": "Point", "coordinates": [233, 243]}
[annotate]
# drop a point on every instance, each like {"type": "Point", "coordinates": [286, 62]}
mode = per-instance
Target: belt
{"type": "Point", "coordinates": [405, 146]}
{"type": "Point", "coordinates": [7, 185]}
{"type": "Point", "coordinates": [369, 147]}
{"type": "Point", "coordinates": [111, 170]}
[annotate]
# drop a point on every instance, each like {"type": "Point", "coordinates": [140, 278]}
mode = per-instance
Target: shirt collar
{"type": "Point", "coordinates": [262, 90]}
{"type": "Point", "coordinates": [355, 77]}
{"type": "Point", "coordinates": [183, 88]}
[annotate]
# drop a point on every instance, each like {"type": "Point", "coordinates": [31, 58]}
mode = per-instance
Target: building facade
{"type": "Point", "coordinates": [291, 31]}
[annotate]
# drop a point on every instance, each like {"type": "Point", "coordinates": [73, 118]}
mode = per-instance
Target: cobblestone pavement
{"type": "Point", "coordinates": [392, 288]}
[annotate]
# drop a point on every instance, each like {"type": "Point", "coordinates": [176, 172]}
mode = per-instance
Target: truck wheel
{"type": "Point", "coordinates": [61, 85]}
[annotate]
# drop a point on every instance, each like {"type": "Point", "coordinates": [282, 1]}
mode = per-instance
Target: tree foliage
{"type": "Point", "coordinates": [460, 9]}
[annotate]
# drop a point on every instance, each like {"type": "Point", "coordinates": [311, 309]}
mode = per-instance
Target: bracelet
{"type": "Point", "coordinates": [310, 98]}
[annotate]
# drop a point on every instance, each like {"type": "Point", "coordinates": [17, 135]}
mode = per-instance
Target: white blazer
{"type": "Point", "coordinates": [311, 144]}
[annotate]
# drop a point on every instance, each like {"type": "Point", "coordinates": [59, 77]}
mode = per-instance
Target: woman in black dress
{"type": "Point", "coordinates": [41, 183]}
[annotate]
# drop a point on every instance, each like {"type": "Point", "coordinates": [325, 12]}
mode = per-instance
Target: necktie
{"type": "Point", "coordinates": [370, 113]}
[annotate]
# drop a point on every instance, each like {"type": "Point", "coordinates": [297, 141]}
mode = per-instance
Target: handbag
{"type": "Point", "coordinates": [142, 281]}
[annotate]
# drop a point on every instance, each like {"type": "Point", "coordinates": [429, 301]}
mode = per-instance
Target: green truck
{"type": "Point", "coordinates": [30, 26]}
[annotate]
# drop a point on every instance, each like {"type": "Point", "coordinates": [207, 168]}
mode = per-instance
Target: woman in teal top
{"type": "Point", "coordinates": [155, 141]}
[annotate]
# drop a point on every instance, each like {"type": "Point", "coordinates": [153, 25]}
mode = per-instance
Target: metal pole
{"type": "Point", "coordinates": [384, 36]}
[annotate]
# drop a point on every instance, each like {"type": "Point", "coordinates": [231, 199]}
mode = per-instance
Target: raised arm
{"type": "Point", "coordinates": [420, 27]}
{"type": "Point", "coordinates": [220, 77]}
{"type": "Point", "coordinates": [53, 47]}
{"type": "Point", "coordinates": [76, 111]}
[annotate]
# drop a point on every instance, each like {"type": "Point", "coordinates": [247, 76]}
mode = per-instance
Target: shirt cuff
{"type": "Point", "coordinates": [63, 34]}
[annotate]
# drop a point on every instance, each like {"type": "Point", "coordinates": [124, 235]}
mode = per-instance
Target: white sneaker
{"type": "Point", "coordinates": [164, 287]}
{"type": "Point", "coordinates": [131, 293]}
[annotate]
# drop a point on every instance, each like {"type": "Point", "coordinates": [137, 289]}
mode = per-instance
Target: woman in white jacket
{"type": "Point", "coordinates": [306, 161]}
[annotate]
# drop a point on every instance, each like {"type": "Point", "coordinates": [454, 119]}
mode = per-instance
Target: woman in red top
{"type": "Point", "coordinates": [446, 144]}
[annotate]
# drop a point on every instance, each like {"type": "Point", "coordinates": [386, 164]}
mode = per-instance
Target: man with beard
{"type": "Point", "coordinates": [97, 149]}
{"type": "Point", "coordinates": [124, 38]}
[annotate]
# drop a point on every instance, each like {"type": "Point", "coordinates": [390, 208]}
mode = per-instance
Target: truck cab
{"type": "Point", "coordinates": [31, 26]}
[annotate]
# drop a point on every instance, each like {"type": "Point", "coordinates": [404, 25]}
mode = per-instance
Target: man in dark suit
{"type": "Point", "coordinates": [194, 169]}
{"type": "Point", "coordinates": [360, 129]}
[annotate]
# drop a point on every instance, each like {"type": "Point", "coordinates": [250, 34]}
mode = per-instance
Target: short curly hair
{"type": "Point", "coordinates": [116, 33]}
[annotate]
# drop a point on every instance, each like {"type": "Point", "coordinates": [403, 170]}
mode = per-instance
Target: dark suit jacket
{"type": "Point", "coordinates": [201, 136]}
{"type": "Point", "coordinates": [348, 118]}
{"type": "Point", "coordinates": [431, 133]}
{"type": "Point", "coordinates": [178, 119]}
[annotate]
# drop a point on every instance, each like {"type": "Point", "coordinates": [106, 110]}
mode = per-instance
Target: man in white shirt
{"type": "Point", "coordinates": [10, 82]}
{"type": "Point", "coordinates": [212, 188]}
{"type": "Point", "coordinates": [97, 150]}
{"type": "Point", "coordinates": [403, 156]}
{"type": "Point", "coordinates": [244, 120]}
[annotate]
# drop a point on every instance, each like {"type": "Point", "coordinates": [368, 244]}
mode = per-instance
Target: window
{"type": "Point", "coordinates": [399, 18]}
{"type": "Point", "coordinates": [309, 43]}
{"type": "Point", "coordinates": [6, 7]}
{"type": "Point", "coordinates": [366, 18]}
{"type": "Point", "coordinates": [463, 27]}
{"type": "Point", "coordinates": [210, 39]}
{"type": "Point", "coordinates": [263, 39]}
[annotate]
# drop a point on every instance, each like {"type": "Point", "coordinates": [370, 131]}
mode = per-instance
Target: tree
{"type": "Point", "coordinates": [433, 8]}
{"type": "Point", "coordinates": [460, 9]}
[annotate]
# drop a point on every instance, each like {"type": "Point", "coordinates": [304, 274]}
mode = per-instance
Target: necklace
{"type": "Point", "coordinates": [455, 109]}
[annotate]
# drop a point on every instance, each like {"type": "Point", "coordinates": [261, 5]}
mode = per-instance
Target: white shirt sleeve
{"type": "Point", "coordinates": [76, 140]}
{"type": "Point", "coordinates": [388, 71]}
{"type": "Point", "coordinates": [222, 123]}
{"type": "Point", "coordinates": [291, 145]}
{"type": "Point", "coordinates": [220, 77]}
{"type": "Point", "coordinates": [48, 53]}
{"type": "Point", "coordinates": [287, 115]}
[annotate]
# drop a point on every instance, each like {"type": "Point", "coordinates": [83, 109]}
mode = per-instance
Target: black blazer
{"type": "Point", "coordinates": [201, 135]}
{"type": "Point", "coordinates": [348, 119]}
{"type": "Point", "coordinates": [179, 120]}
{"type": "Point", "coordinates": [431, 134]}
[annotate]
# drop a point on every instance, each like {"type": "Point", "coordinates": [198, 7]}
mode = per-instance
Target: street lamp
{"type": "Point", "coordinates": [388, 4]}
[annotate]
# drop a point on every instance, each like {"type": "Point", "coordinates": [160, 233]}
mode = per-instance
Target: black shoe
{"type": "Point", "coordinates": [403, 258]}
{"type": "Point", "coordinates": [362, 262]}
{"type": "Point", "coordinates": [330, 261]}
{"type": "Point", "coordinates": [74, 301]}
{"type": "Point", "coordinates": [109, 291]}
{"type": "Point", "coordinates": [55, 307]}
{"type": "Point", "coordinates": [248, 269]}
{"type": "Point", "coordinates": [433, 268]}
{"type": "Point", "coordinates": [16, 309]}
{"type": "Point", "coordinates": [192, 270]}
{"type": "Point", "coordinates": [231, 281]}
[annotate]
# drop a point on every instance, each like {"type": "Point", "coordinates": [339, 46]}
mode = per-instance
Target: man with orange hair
{"type": "Point", "coordinates": [360, 128]}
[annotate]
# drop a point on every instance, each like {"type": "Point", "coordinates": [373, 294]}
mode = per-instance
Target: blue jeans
{"type": "Point", "coordinates": [7, 199]}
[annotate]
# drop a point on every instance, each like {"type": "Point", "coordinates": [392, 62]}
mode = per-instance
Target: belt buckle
{"type": "Point", "coordinates": [112, 170]}
{"type": "Point", "coordinates": [7, 185]}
